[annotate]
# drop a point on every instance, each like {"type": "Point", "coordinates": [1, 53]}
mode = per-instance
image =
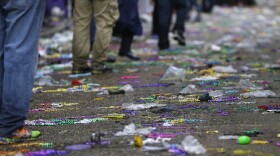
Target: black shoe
{"type": "Point", "coordinates": [179, 37]}
{"type": "Point", "coordinates": [197, 19]}
{"type": "Point", "coordinates": [100, 69]}
{"type": "Point", "coordinates": [162, 48]}
{"type": "Point", "coordinates": [81, 70]}
{"type": "Point", "coordinates": [130, 56]}
{"type": "Point", "coordinates": [111, 59]}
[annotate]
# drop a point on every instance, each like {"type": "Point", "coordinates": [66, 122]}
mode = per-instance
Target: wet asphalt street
{"type": "Point", "coordinates": [245, 38]}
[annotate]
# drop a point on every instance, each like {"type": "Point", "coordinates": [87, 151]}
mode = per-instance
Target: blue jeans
{"type": "Point", "coordinates": [20, 25]}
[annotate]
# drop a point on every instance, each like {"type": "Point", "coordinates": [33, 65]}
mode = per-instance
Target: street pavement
{"type": "Point", "coordinates": [234, 51]}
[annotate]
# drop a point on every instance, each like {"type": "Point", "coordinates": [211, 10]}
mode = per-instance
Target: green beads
{"type": "Point", "coordinates": [243, 140]}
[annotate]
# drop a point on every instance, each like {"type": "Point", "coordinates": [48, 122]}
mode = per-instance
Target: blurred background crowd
{"type": "Point", "coordinates": [58, 11]}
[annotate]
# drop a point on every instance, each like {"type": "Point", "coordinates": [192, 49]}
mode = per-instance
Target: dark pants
{"type": "Point", "coordinates": [164, 13]}
{"type": "Point", "coordinates": [197, 6]}
{"type": "Point", "coordinates": [127, 38]}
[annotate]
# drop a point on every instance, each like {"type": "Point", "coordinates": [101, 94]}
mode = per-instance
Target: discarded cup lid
{"type": "Point", "coordinates": [78, 147]}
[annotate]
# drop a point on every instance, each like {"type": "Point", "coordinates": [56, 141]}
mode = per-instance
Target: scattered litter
{"type": "Point", "coordinates": [192, 146]}
{"type": "Point", "coordinates": [246, 84]}
{"type": "Point", "coordinates": [216, 93]}
{"type": "Point", "coordinates": [190, 89]}
{"type": "Point", "coordinates": [131, 130]}
{"type": "Point", "coordinates": [243, 140]}
{"type": "Point", "coordinates": [155, 140]}
{"type": "Point", "coordinates": [131, 106]}
{"type": "Point", "coordinates": [174, 73]}
{"type": "Point", "coordinates": [260, 94]}
{"type": "Point", "coordinates": [127, 88]}
{"type": "Point", "coordinates": [228, 137]}
{"type": "Point", "coordinates": [204, 78]}
{"type": "Point", "coordinates": [224, 69]}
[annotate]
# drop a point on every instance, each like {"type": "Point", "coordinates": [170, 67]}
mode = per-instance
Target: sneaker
{"type": "Point", "coordinates": [101, 68]}
{"type": "Point", "coordinates": [20, 135]}
{"type": "Point", "coordinates": [81, 70]}
{"type": "Point", "coordinates": [179, 37]}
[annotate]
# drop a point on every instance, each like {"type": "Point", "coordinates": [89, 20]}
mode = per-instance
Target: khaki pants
{"type": "Point", "coordinates": [106, 14]}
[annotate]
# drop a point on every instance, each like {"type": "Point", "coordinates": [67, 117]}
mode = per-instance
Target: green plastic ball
{"type": "Point", "coordinates": [243, 140]}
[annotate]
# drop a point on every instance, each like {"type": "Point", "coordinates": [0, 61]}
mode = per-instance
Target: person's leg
{"type": "Point", "coordinates": [179, 28]}
{"type": "Point", "coordinates": [106, 14]}
{"type": "Point", "coordinates": [249, 2]}
{"type": "Point", "coordinates": [125, 49]}
{"type": "Point", "coordinates": [198, 8]}
{"type": "Point", "coordinates": [92, 33]}
{"type": "Point", "coordinates": [155, 20]}
{"type": "Point", "coordinates": [189, 8]}
{"type": "Point", "coordinates": [23, 21]}
{"type": "Point", "coordinates": [82, 16]}
{"type": "Point", "coordinates": [181, 9]}
{"type": "Point", "coordinates": [164, 18]}
{"type": "Point", "coordinates": [127, 38]}
{"type": "Point", "coordinates": [2, 39]}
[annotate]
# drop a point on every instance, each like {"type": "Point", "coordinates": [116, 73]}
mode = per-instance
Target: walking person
{"type": "Point", "coordinates": [128, 25]}
{"type": "Point", "coordinates": [105, 14]}
{"type": "Point", "coordinates": [164, 14]}
{"type": "Point", "coordinates": [198, 9]}
{"type": "Point", "coordinates": [20, 25]}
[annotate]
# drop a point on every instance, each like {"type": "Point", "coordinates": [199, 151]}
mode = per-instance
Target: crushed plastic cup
{"type": "Point", "coordinates": [192, 146]}
{"type": "Point", "coordinates": [190, 89]}
{"type": "Point", "coordinates": [174, 73]}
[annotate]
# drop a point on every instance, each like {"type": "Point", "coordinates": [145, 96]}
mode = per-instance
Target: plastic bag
{"type": "Point", "coordinates": [260, 93]}
{"type": "Point", "coordinates": [127, 88]}
{"type": "Point", "coordinates": [49, 81]}
{"type": "Point", "coordinates": [216, 93]}
{"type": "Point", "coordinates": [244, 68]}
{"type": "Point", "coordinates": [131, 130]}
{"type": "Point", "coordinates": [155, 141]}
{"type": "Point", "coordinates": [174, 73]}
{"type": "Point", "coordinates": [204, 78]}
{"type": "Point", "coordinates": [192, 146]}
{"type": "Point", "coordinates": [228, 137]}
{"type": "Point", "coordinates": [153, 148]}
{"type": "Point", "coordinates": [216, 48]}
{"type": "Point", "coordinates": [246, 84]}
{"type": "Point", "coordinates": [131, 106]}
{"type": "Point", "coordinates": [224, 69]}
